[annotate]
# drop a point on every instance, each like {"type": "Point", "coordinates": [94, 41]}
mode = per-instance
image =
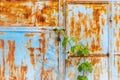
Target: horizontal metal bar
{"type": "Point", "coordinates": [29, 29]}
{"type": "Point", "coordinates": [90, 55]}
{"type": "Point", "coordinates": [87, 1]}
{"type": "Point", "coordinates": [116, 54]}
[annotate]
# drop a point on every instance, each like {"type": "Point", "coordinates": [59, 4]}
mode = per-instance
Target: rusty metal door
{"type": "Point", "coordinates": [95, 24]}
{"type": "Point", "coordinates": [29, 49]}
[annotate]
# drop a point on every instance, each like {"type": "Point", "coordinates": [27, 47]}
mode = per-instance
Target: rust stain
{"type": "Point", "coordinates": [72, 25]}
{"type": "Point", "coordinates": [68, 62]}
{"type": "Point", "coordinates": [47, 15]}
{"type": "Point", "coordinates": [11, 59]}
{"type": "Point", "coordinates": [44, 73]}
{"type": "Point", "coordinates": [94, 46]}
{"type": "Point", "coordinates": [97, 72]}
{"type": "Point", "coordinates": [22, 70]}
{"type": "Point", "coordinates": [2, 68]}
{"type": "Point", "coordinates": [16, 13]}
{"type": "Point", "coordinates": [90, 55]}
{"type": "Point", "coordinates": [118, 63]}
{"type": "Point", "coordinates": [95, 61]}
{"type": "Point", "coordinates": [70, 73]}
{"type": "Point", "coordinates": [29, 34]}
{"type": "Point", "coordinates": [56, 44]}
{"type": "Point", "coordinates": [97, 67]}
{"type": "Point", "coordinates": [37, 57]}
{"type": "Point", "coordinates": [116, 18]}
{"type": "Point", "coordinates": [10, 56]}
{"type": "Point", "coordinates": [103, 21]}
{"type": "Point", "coordinates": [42, 43]}
{"type": "Point", "coordinates": [32, 56]}
{"type": "Point", "coordinates": [91, 26]}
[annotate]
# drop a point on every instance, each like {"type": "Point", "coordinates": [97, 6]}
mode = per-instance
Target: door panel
{"type": "Point", "coordinates": [29, 13]}
{"type": "Point", "coordinates": [14, 13]}
{"type": "Point", "coordinates": [100, 68]}
{"type": "Point", "coordinates": [89, 24]}
{"type": "Point", "coordinates": [116, 25]}
{"type": "Point", "coordinates": [46, 13]}
{"type": "Point", "coordinates": [28, 56]}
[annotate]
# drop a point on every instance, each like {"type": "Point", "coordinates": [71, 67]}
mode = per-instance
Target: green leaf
{"type": "Point", "coordinates": [84, 50]}
{"type": "Point", "coordinates": [86, 66]}
{"type": "Point", "coordinates": [79, 53]}
{"type": "Point", "coordinates": [75, 48]}
{"type": "Point", "coordinates": [56, 30]}
{"type": "Point", "coordinates": [82, 78]}
{"type": "Point", "coordinates": [65, 40]}
{"type": "Point", "coordinates": [62, 31]}
{"type": "Point", "coordinates": [74, 40]}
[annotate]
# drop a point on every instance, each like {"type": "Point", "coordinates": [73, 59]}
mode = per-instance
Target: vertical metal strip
{"type": "Point", "coordinates": [111, 43]}
{"type": "Point", "coordinates": [64, 52]}
{"type": "Point", "coordinates": [59, 42]}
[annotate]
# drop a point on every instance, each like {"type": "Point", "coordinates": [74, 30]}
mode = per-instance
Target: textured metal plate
{"type": "Point", "coordinates": [116, 25]}
{"type": "Point", "coordinates": [88, 22]}
{"type": "Point", "coordinates": [28, 56]}
{"type": "Point", "coordinates": [116, 39]}
{"type": "Point", "coordinates": [29, 13]}
{"type": "Point", "coordinates": [100, 68]}
{"type": "Point", "coordinates": [46, 13]}
{"type": "Point", "coordinates": [16, 13]}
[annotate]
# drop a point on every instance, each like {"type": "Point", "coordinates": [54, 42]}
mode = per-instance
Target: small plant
{"type": "Point", "coordinates": [79, 49]}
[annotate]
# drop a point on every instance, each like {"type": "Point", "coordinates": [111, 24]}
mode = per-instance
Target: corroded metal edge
{"type": "Point", "coordinates": [29, 29]}
{"type": "Point", "coordinates": [91, 55]}
{"type": "Point", "coordinates": [87, 2]}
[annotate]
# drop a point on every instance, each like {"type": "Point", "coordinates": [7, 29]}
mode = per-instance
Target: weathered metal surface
{"type": "Point", "coordinates": [116, 22]}
{"type": "Point", "coordinates": [28, 56]}
{"type": "Point", "coordinates": [100, 68]}
{"type": "Point", "coordinates": [88, 22]}
{"type": "Point", "coordinates": [117, 67]}
{"type": "Point", "coordinates": [46, 13]}
{"type": "Point", "coordinates": [28, 13]}
{"type": "Point", "coordinates": [34, 54]}
{"type": "Point", "coordinates": [14, 13]}
{"type": "Point", "coordinates": [116, 25]}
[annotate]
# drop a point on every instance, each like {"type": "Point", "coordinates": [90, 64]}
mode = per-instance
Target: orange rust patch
{"type": "Point", "coordinates": [118, 67]}
{"type": "Point", "coordinates": [47, 15]}
{"type": "Point", "coordinates": [22, 70]}
{"type": "Point", "coordinates": [32, 55]}
{"type": "Point", "coordinates": [10, 56]}
{"type": "Point", "coordinates": [37, 57]}
{"type": "Point", "coordinates": [72, 25]}
{"type": "Point", "coordinates": [116, 18]}
{"type": "Point", "coordinates": [56, 44]}
{"type": "Point", "coordinates": [16, 13]}
{"type": "Point", "coordinates": [2, 68]}
{"type": "Point", "coordinates": [91, 25]}
{"type": "Point", "coordinates": [97, 72]}
{"type": "Point", "coordinates": [42, 43]}
{"type": "Point", "coordinates": [11, 59]}
{"type": "Point", "coordinates": [103, 21]}
{"type": "Point", "coordinates": [95, 61]}
{"type": "Point", "coordinates": [94, 46]}
{"type": "Point", "coordinates": [1, 44]}
{"type": "Point", "coordinates": [70, 73]}
{"type": "Point", "coordinates": [29, 34]}
{"type": "Point", "coordinates": [68, 62]}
